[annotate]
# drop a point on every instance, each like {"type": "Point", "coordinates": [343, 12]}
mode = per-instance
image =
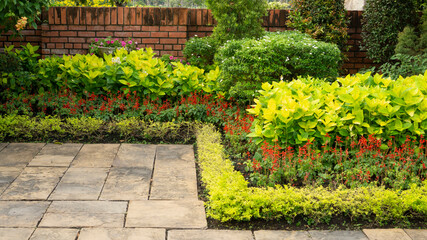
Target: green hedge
{"type": "Point", "coordinates": [230, 198]}
{"type": "Point", "coordinates": [308, 109]}
{"type": "Point", "coordinates": [88, 129]}
{"type": "Point", "coordinates": [246, 63]}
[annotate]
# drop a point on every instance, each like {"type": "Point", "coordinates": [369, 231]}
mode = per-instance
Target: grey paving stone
{"type": "Point", "coordinates": [96, 155]}
{"type": "Point", "coordinates": [3, 145]}
{"type": "Point", "coordinates": [15, 233]}
{"type": "Point", "coordinates": [175, 153]}
{"type": "Point", "coordinates": [127, 184]}
{"type": "Point", "coordinates": [34, 183]}
{"type": "Point", "coordinates": [7, 176]}
{"type": "Point", "coordinates": [21, 213]}
{"type": "Point", "coordinates": [166, 214]}
{"type": "Point", "coordinates": [80, 184]}
{"type": "Point", "coordinates": [209, 235]}
{"type": "Point", "coordinates": [337, 235]}
{"type": "Point", "coordinates": [55, 234]}
{"type": "Point", "coordinates": [135, 155]}
{"type": "Point", "coordinates": [84, 214]}
{"type": "Point", "coordinates": [386, 234]}
{"type": "Point", "coordinates": [417, 234]}
{"type": "Point", "coordinates": [179, 183]}
{"type": "Point", "coordinates": [122, 234]}
{"type": "Point", "coordinates": [282, 235]}
{"type": "Point", "coordinates": [56, 155]}
{"type": "Point", "coordinates": [19, 154]}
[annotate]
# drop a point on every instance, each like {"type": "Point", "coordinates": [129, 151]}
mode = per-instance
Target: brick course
{"type": "Point", "coordinates": [69, 30]}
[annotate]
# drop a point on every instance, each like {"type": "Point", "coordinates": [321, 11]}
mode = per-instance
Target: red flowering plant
{"type": "Point", "coordinates": [108, 42]}
{"type": "Point", "coordinates": [349, 163]}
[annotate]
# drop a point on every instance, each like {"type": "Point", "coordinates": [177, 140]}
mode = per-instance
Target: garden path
{"type": "Point", "coordinates": [120, 191]}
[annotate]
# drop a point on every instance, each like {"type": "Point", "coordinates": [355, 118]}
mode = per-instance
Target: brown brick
{"type": "Point", "coordinates": [45, 27]}
{"type": "Point", "coordinates": [85, 46]}
{"type": "Point", "coordinates": [168, 28]}
{"type": "Point", "coordinates": [101, 16]}
{"type": "Point", "coordinates": [57, 13]}
{"type": "Point", "coordinates": [77, 45]}
{"type": "Point", "coordinates": [68, 34]}
{"type": "Point", "coordinates": [59, 51]}
{"type": "Point", "coordinates": [104, 34]}
{"type": "Point", "coordinates": [73, 15]}
{"type": "Point", "coordinates": [159, 34]}
{"type": "Point", "coordinates": [349, 54]}
{"type": "Point", "coordinates": [45, 39]}
{"type": "Point", "coordinates": [361, 65]}
{"type": "Point", "coordinates": [150, 28]}
{"type": "Point", "coordinates": [77, 40]}
{"type": "Point", "coordinates": [113, 14]}
{"type": "Point", "coordinates": [107, 18]}
{"type": "Point", "coordinates": [149, 46]}
{"type": "Point", "coordinates": [158, 47]}
{"type": "Point", "coordinates": [168, 47]}
{"type": "Point", "coordinates": [182, 28]}
{"type": "Point", "coordinates": [33, 38]}
{"type": "Point", "coordinates": [138, 16]}
{"type": "Point", "coordinates": [157, 53]}
{"type": "Point", "coordinates": [132, 28]}
{"type": "Point", "coordinates": [173, 53]}
{"type": "Point", "coordinates": [183, 16]}
{"type": "Point", "coordinates": [192, 28]}
{"type": "Point", "coordinates": [95, 28]}
{"type": "Point", "coordinates": [113, 28]}
{"type": "Point", "coordinates": [90, 16]}
{"type": "Point", "coordinates": [51, 16]}
{"type": "Point", "coordinates": [68, 45]}
{"type": "Point", "coordinates": [78, 51]}
{"type": "Point", "coordinates": [141, 34]}
{"type": "Point", "coordinates": [123, 34]}
{"type": "Point", "coordinates": [150, 40]}
{"type": "Point", "coordinates": [64, 15]}
{"type": "Point", "coordinates": [348, 65]}
{"type": "Point", "coordinates": [199, 16]}
{"type": "Point", "coordinates": [28, 32]}
{"type": "Point", "coordinates": [132, 16]}
{"type": "Point", "coordinates": [46, 51]}
{"type": "Point", "coordinates": [50, 45]}
{"type": "Point", "coordinates": [205, 29]}
{"type": "Point", "coordinates": [180, 54]}
{"type": "Point", "coordinates": [182, 41]}
{"type": "Point", "coordinates": [360, 54]}
{"type": "Point", "coordinates": [59, 39]}
{"type": "Point", "coordinates": [51, 34]}
{"type": "Point", "coordinates": [168, 41]}
{"type": "Point", "coordinates": [177, 47]}
{"type": "Point", "coordinates": [120, 17]}
{"type": "Point", "coordinates": [77, 28]}
{"type": "Point", "coordinates": [60, 28]}
{"type": "Point", "coordinates": [59, 45]}
{"type": "Point", "coordinates": [352, 71]}
{"type": "Point", "coordinates": [177, 34]}
{"type": "Point", "coordinates": [86, 34]}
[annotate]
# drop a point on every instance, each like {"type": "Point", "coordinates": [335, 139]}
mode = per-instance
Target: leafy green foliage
{"type": "Point", "coordinates": [12, 10]}
{"type": "Point", "coordinates": [323, 20]}
{"type": "Point", "coordinates": [200, 52]}
{"type": "Point", "coordinates": [382, 21]}
{"type": "Point", "coordinates": [237, 19]}
{"type": "Point", "coordinates": [246, 63]}
{"type": "Point", "coordinates": [230, 198]}
{"type": "Point", "coordinates": [308, 109]}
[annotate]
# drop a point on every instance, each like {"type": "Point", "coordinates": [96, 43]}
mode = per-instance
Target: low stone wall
{"type": "Point", "coordinates": [69, 30]}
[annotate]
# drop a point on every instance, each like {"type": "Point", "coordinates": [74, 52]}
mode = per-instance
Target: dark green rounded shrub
{"type": "Point", "coordinates": [324, 20]}
{"type": "Point", "coordinates": [200, 52]}
{"type": "Point", "coordinates": [382, 21]}
{"type": "Point", "coordinates": [247, 63]}
{"type": "Point", "coordinates": [237, 19]}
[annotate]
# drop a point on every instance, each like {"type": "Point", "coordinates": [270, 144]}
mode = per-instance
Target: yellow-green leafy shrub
{"type": "Point", "coordinates": [230, 198]}
{"type": "Point", "coordinates": [308, 109]}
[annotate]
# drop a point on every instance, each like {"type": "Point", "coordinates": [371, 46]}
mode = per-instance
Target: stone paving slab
{"type": "Point", "coordinates": [21, 213]}
{"type": "Point", "coordinates": [209, 235]}
{"type": "Point", "coordinates": [386, 234]}
{"type": "Point", "coordinates": [80, 184]}
{"type": "Point", "coordinates": [3, 145]}
{"type": "Point", "coordinates": [56, 155]}
{"type": "Point", "coordinates": [19, 154]}
{"type": "Point", "coordinates": [7, 176]}
{"type": "Point", "coordinates": [96, 156]}
{"type": "Point", "coordinates": [417, 234]}
{"type": "Point", "coordinates": [55, 234]}
{"type": "Point", "coordinates": [175, 153]}
{"type": "Point", "coordinates": [127, 184]}
{"type": "Point", "coordinates": [281, 235]}
{"type": "Point", "coordinates": [179, 185]}
{"type": "Point", "coordinates": [166, 214]}
{"type": "Point", "coordinates": [135, 156]}
{"type": "Point", "coordinates": [122, 234]}
{"type": "Point", "coordinates": [15, 233]}
{"type": "Point", "coordinates": [337, 235]}
{"type": "Point", "coordinates": [73, 214]}
{"type": "Point", "coordinates": [34, 183]}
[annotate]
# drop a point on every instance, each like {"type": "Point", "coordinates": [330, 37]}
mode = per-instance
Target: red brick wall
{"type": "Point", "coordinates": [70, 30]}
